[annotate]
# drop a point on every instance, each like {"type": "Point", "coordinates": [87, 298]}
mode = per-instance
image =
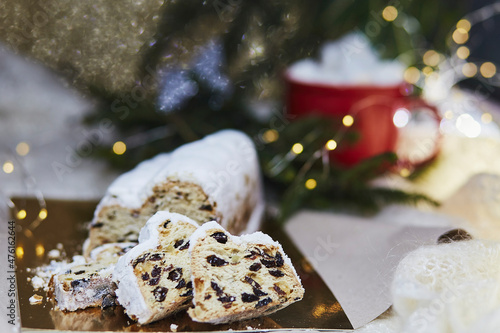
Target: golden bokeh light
{"type": "Point", "coordinates": [43, 214]}
{"type": "Point", "coordinates": [460, 36]}
{"type": "Point", "coordinates": [404, 172]}
{"type": "Point", "coordinates": [270, 135]}
{"type": "Point", "coordinates": [297, 148]}
{"type": "Point", "coordinates": [431, 58]}
{"type": "Point", "coordinates": [463, 52]}
{"type": "Point", "coordinates": [311, 184]}
{"type": "Point", "coordinates": [21, 215]}
{"type": "Point", "coordinates": [331, 144]}
{"type": "Point", "coordinates": [119, 148]}
{"type": "Point", "coordinates": [486, 118]}
{"type": "Point", "coordinates": [464, 24]}
{"type": "Point", "coordinates": [427, 70]}
{"type": "Point", "coordinates": [20, 252]}
{"type": "Point", "coordinates": [8, 167]}
{"type": "Point", "coordinates": [390, 13]}
{"type": "Point", "coordinates": [488, 69]}
{"type": "Point", "coordinates": [348, 120]}
{"type": "Point", "coordinates": [39, 250]}
{"type": "Point", "coordinates": [22, 148]}
{"type": "Point", "coordinates": [412, 75]}
{"type": "Point", "coordinates": [469, 69]}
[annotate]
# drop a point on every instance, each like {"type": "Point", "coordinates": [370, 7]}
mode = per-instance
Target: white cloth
{"type": "Point", "coordinates": [449, 288]}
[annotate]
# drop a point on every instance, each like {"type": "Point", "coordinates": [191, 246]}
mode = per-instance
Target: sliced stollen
{"type": "Point", "coordinates": [85, 286]}
{"type": "Point", "coordinates": [216, 178]}
{"type": "Point", "coordinates": [237, 278]}
{"type": "Point", "coordinates": [91, 284]}
{"type": "Point", "coordinates": [154, 278]}
{"type": "Point", "coordinates": [110, 251]}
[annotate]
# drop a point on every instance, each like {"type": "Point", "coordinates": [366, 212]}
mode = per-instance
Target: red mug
{"type": "Point", "coordinates": [372, 108]}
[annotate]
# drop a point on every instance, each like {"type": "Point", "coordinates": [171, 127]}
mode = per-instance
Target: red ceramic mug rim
{"type": "Point", "coordinates": [402, 88]}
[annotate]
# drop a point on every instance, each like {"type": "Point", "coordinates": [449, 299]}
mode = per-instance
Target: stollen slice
{"type": "Point", "coordinates": [89, 285]}
{"type": "Point", "coordinates": [236, 278]}
{"type": "Point", "coordinates": [154, 278]}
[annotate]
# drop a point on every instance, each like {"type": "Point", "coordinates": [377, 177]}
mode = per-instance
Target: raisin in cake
{"type": "Point", "coordinates": [154, 278]}
{"type": "Point", "coordinates": [216, 178]}
{"type": "Point", "coordinates": [91, 284]}
{"type": "Point", "coordinates": [237, 278]}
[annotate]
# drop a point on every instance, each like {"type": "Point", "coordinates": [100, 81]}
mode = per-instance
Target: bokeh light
{"type": "Point", "coordinates": [297, 148]}
{"type": "Point", "coordinates": [119, 148]}
{"type": "Point", "coordinates": [311, 184]}
{"type": "Point", "coordinates": [390, 13]}
{"type": "Point", "coordinates": [488, 69]}
{"type": "Point", "coordinates": [22, 149]}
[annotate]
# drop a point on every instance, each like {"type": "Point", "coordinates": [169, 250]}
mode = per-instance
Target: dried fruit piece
{"type": "Point", "coordinates": [277, 273]}
{"type": "Point", "coordinates": [263, 302]}
{"type": "Point", "coordinates": [160, 293]}
{"type": "Point", "coordinates": [220, 237]}
{"type": "Point", "coordinates": [255, 267]}
{"type": "Point", "coordinates": [176, 274]}
{"type": "Point", "coordinates": [216, 261]}
{"type": "Point", "coordinates": [245, 297]}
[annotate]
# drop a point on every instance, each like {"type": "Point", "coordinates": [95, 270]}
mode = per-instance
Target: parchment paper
{"type": "Point", "coordinates": [356, 257]}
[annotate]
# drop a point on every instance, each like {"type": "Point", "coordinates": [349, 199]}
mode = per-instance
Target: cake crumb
{"type": "Point", "coordinates": [37, 282]}
{"type": "Point", "coordinates": [173, 327]}
{"type": "Point", "coordinates": [249, 328]}
{"type": "Point", "coordinates": [54, 254]}
{"type": "Point", "coordinates": [36, 299]}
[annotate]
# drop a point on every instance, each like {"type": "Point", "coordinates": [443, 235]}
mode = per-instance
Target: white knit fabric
{"type": "Point", "coordinates": [449, 288]}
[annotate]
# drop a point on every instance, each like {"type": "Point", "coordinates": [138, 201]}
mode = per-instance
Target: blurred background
{"type": "Point", "coordinates": [90, 89]}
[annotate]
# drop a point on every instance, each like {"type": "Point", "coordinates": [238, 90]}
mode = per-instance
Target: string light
{"type": "Point", "coordinates": [331, 144]}
{"type": "Point", "coordinates": [22, 149]}
{"type": "Point", "coordinates": [463, 52]}
{"type": "Point", "coordinates": [404, 172]}
{"type": "Point", "coordinates": [297, 148]}
{"type": "Point", "coordinates": [431, 58]}
{"type": "Point", "coordinates": [486, 118]}
{"type": "Point", "coordinates": [390, 13]}
{"type": "Point", "coordinates": [119, 148]}
{"type": "Point", "coordinates": [39, 250]}
{"type": "Point", "coordinates": [464, 24]}
{"type": "Point", "coordinates": [460, 36]}
{"type": "Point", "coordinates": [427, 70]}
{"type": "Point", "coordinates": [43, 214]}
{"type": "Point", "coordinates": [20, 252]}
{"type": "Point", "coordinates": [270, 135]}
{"type": "Point", "coordinates": [8, 167]}
{"type": "Point", "coordinates": [488, 69]}
{"type": "Point", "coordinates": [311, 184]}
{"type": "Point", "coordinates": [469, 69]}
{"type": "Point", "coordinates": [448, 114]}
{"type": "Point", "coordinates": [21, 215]}
{"type": "Point", "coordinates": [348, 120]}
{"type": "Point", "coordinates": [412, 75]}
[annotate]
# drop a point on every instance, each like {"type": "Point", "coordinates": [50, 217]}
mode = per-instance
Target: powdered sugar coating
{"type": "Point", "coordinates": [128, 292]}
{"type": "Point", "coordinates": [128, 189]}
{"type": "Point", "coordinates": [224, 164]}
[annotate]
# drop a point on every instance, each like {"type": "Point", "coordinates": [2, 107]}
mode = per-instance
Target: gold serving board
{"type": "Point", "coordinates": [66, 224]}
